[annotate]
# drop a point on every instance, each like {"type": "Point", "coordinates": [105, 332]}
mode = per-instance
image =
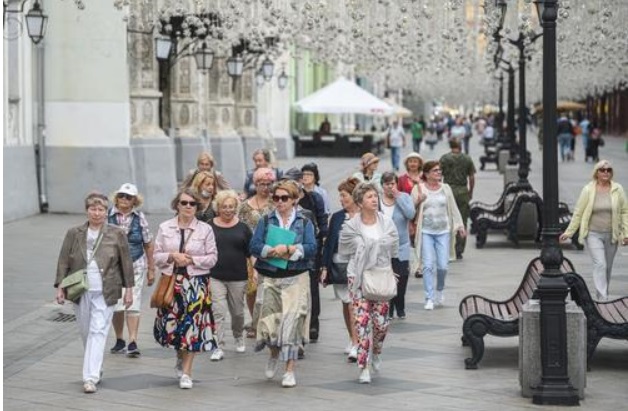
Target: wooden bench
{"type": "Point", "coordinates": [490, 153]}
{"type": "Point", "coordinates": [564, 218]}
{"type": "Point", "coordinates": [483, 316]}
{"type": "Point", "coordinates": [477, 207]}
{"type": "Point", "coordinates": [604, 318]}
{"type": "Point", "coordinates": [508, 220]}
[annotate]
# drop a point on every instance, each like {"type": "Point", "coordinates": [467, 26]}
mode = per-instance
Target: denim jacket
{"type": "Point", "coordinates": [305, 242]}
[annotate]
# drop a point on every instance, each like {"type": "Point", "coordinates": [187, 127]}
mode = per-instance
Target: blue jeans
{"type": "Point", "coordinates": [395, 155]}
{"type": "Point", "coordinates": [564, 140]}
{"type": "Point", "coordinates": [434, 251]}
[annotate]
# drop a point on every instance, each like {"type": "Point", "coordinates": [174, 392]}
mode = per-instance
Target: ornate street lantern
{"type": "Point", "coordinates": [204, 57]}
{"type": "Point", "coordinates": [36, 22]}
{"type": "Point", "coordinates": [259, 78]}
{"type": "Point", "coordinates": [235, 66]}
{"type": "Point", "coordinates": [282, 80]}
{"type": "Point", "coordinates": [268, 67]}
{"type": "Point", "coordinates": [163, 46]}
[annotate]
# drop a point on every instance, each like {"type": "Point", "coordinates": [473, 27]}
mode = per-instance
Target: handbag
{"type": "Point", "coordinates": [339, 273]}
{"type": "Point", "coordinates": [164, 292]}
{"type": "Point", "coordinates": [76, 283]}
{"type": "Point", "coordinates": [379, 284]}
{"type": "Point", "coordinates": [163, 296]}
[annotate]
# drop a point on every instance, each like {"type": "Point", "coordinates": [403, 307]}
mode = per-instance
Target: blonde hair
{"type": "Point", "coordinates": [287, 185]}
{"type": "Point", "coordinates": [199, 180]}
{"type": "Point", "coordinates": [204, 155]}
{"type": "Point", "coordinates": [601, 164]}
{"type": "Point", "coordinates": [137, 201]}
{"type": "Point", "coordinates": [223, 196]}
{"type": "Point", "coordinates": [96, 198]}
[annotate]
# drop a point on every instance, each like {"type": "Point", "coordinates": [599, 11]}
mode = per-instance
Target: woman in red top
{"type": "Point", "coordinates": [414, 164]}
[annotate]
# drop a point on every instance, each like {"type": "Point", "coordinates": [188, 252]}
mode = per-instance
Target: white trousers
{"type": "Point", "coordinates": [602, 252]}
{"type": "Point", "coordinates": [228, 295]}
{"type": "Point", "coordinates": [93, 318]}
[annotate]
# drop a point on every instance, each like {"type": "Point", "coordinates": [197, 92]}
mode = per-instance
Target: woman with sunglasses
{"type": "Point", "coordinates": [125, 214]}
{"type": "Point", "coordinates": [285, 266]}
{"type": "Point", "coordinates": [103, 252]}
{"type": "Point", "coordinates": [250, 212]}
{"type": "Point", "coordinates": [185, 247]}
{"type": "Point", "coordinates": [437, 221]}
{"type": "Point", "coordinates": [601, 216]}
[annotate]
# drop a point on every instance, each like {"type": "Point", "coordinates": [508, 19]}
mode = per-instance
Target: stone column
{"type": "Point", "coordinates": [153, 151]}
{"type": "Point", "coordinates": [86, 103]}
{"type": "Point", "coordinates": [246, 113]}
{"type": "Point", "coordinates": [226, 145]}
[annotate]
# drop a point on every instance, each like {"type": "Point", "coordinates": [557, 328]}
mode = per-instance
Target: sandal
{"type": "Point", "coordinates": [251, 333]}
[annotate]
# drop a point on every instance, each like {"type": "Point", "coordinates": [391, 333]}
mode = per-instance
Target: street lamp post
{"type": "Point", "coordinates": [555, 387]}
{"type": "Point", "coordinates": [510, 123]}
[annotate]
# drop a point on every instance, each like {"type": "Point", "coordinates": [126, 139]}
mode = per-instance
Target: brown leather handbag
{"type": "Point", "coordinates": [164, 292]}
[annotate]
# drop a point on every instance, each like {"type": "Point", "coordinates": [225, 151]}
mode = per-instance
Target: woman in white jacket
{"type": "Point", "coordinates": [371, 240]}
{"type": "Point", "coordinates": [438, 219]}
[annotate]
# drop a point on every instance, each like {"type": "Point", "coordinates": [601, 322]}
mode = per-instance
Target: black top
{"type": "Point", "coordinates": [233, 250]}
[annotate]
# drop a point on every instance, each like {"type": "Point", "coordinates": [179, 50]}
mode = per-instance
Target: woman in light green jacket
{"type": "Point", "coordinates": [601, 215]}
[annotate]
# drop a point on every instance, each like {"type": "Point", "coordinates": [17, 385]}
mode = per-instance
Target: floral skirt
{"type": "Point", "coordinates": [188, 324]}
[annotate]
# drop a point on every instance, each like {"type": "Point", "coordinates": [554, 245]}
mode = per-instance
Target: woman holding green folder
{"type": "Point", "coordinates": [285, 246]}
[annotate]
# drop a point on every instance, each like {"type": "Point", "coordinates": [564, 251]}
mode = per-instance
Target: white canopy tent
{"type": "Point", "coordinates": [343, 97]}
{"type": "Point", "coordinates": [398, 110]}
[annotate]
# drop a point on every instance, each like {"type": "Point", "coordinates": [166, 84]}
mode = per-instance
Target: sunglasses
{"type": "Point", "coordinates": [284, 198]}
{"type": "Point", "coordinates": [185, 203]}
{"type": "Point", "coordinates": [125, 195]}
{"type": "Point", "coordinates": [605, 170]}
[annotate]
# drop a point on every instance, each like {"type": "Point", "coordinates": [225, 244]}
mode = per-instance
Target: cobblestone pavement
{"type": "Point", "coordinates": [422, 360]}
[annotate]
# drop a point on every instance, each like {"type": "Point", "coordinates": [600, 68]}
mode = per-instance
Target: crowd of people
{"type": "Point", "coordinates": [271, 246]}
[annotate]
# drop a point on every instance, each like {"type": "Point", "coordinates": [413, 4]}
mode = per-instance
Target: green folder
{"type": "Point", "coordinates": [276, 236]}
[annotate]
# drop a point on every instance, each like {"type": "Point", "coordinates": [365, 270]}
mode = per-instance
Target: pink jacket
{"type": "Point", "coordinates": [201, 246]}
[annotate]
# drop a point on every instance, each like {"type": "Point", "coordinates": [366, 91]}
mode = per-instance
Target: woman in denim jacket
{"type": "Point", "coordinates": [284, 318]}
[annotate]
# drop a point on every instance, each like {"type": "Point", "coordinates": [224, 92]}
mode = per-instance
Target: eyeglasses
{"type": "Point", "coordinates": [284, 198]}
{"type": "Point", "coordinates": [125, 195]}
{"type": "Point", "coordinates": [264, 185]}
{"type": "Point", "coordinates": [185, 203]}
{"type": "Point", "coordinates": [605, 170]}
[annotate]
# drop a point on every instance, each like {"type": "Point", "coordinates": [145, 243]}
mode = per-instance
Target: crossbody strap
{"type": "Point", "coordinates": [89, 261]}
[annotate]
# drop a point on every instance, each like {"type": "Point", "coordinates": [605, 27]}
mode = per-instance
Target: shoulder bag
{"type": "Point", "coordinates": [76, 283]}
{"type": "Point", "coordinates": [379, 284]}
{"type": "Point", "coordinates": [163, 296]}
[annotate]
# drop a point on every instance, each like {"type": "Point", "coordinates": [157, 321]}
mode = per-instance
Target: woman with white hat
{"type": "Point", "coordinates": [125, 214]}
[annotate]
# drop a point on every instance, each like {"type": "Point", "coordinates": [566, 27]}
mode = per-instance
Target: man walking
{"type": "Point", "coordinates": [396, 140]}
{"type": "Point", "coordinates": [417, 128]}
{"type": "Point", "coordinates": [459, 173]}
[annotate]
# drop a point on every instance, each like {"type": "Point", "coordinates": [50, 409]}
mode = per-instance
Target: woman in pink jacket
{"type": "Point", "coordinates": [185, 247]}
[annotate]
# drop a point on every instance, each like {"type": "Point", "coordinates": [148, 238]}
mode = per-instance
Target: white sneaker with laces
{"type": "Point", "coordinates": [271, 368]}
{"type": "Point", "coordinates": [429, 305]}
{"type": "Point", "coordinates": [349, 347]}
{"type": "Point", "coordinates": [240, 345]}
{"type": "Point", "coordinates": [365, 376]}
{"type": "Point", "coordinates": [185, 383]}
{"type": "Point", "coordinates": [217, 355]}
{"type": "Point", "coordinates": [353, 354]}
{"type": "Point", "coordinates": [89, 387]}
{"type": "Point", "coordinates": [288, 380]}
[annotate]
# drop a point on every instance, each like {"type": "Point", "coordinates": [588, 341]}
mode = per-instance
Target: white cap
{"type": "Point", "coordinates": [128, 188]}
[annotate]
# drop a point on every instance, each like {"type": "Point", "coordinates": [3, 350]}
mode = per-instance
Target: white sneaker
{"type": "Point", "coordinates": [217, 355]}
{"type": "Point", "coordinates": [429, 305]}
{"type": "Point", "coordinates": [439, 298]}
{"type": "Point", "coordinates": [271, 368]}
{"type": "Point", "coordinates": [349, 347]}
{"type": "Point", "coordinates": [178, 368]}
{"type": "Point", "coordinates": [353, 354]}
{"type": "Point", "coordinates": [89, 387]}
{"type": "Point", "coordinates": [365, 376]}
{"type": "Point", "coordinates": [376, 363]}
{"type": "Point", "coordinates": [288, 380]}
{"type": "Point", "coordinates": [240, 345]}
{"type": "Point", "coordinates": [185, 383]}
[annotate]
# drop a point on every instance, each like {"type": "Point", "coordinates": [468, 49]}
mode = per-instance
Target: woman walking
{"type": "Point", "coordinates": [229, 275]}
{"type": "Point", "coordinates": [601, 215]}
{"type": "Point", "coordinates": [204, 185]}
{"type": "Point", "coordinates": [250, 212]}
{"type": "Point", "coordinates": [185, 247]}
{"type": "Point", "coordinates": [103, 252]}
{"type": "Point", "coordinates": [368, 170]}
{"type": "Point", "coordinates": [370, 240]}
{"type": "Point", "coordinates": [284, 263]}
{"type": "Point", "coordinates": [334, 265]}
{"type": "Point", "coordinates": [438, 219]}
{"type": "Point", "coordinates": [125, 214]}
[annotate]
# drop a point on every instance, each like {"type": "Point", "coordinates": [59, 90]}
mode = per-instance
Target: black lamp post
{"type": "Point", "coordinates": [282, 80]}
{"type": "Point", "coordinates": [36, 20]}
{"type": "Point", "coordinates": [510, 121]}
{"type": "Point", "coordinates": [555, 387]}
{"type": "Point", "coordinates": [500, 115]}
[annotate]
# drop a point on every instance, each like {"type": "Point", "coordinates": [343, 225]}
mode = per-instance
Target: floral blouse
{"type": "Point", "coordinates": [250, 216]}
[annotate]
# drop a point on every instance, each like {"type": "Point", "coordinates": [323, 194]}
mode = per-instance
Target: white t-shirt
{"type": "Point", "coordinates": [387, 209]}
{"type": "Point", "coordinates": [435, 216]}
{"type": "Point", "coordinates": [94, 279]}
{"type": "Point", "coordinates": [397, 135]}
{"type": "Point", "coordinates": [372, 231]}
{"type": "Point", "coordinates": [458, 132]}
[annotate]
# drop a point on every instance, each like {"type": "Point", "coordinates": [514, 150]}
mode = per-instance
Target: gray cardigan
{"type": "Point", "coordinates": [112, 256]}
{"type": "Point", "coordinates": [403, 213]}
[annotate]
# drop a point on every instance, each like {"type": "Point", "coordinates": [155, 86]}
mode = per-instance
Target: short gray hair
{"type": "Point", "coordinates": [361, 189]}
{"type": "Point", "coordinates": [223, 196]}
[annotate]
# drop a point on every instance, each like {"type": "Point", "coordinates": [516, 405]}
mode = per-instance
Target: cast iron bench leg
{"type": "Point", "coordinates": [473, 330]}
